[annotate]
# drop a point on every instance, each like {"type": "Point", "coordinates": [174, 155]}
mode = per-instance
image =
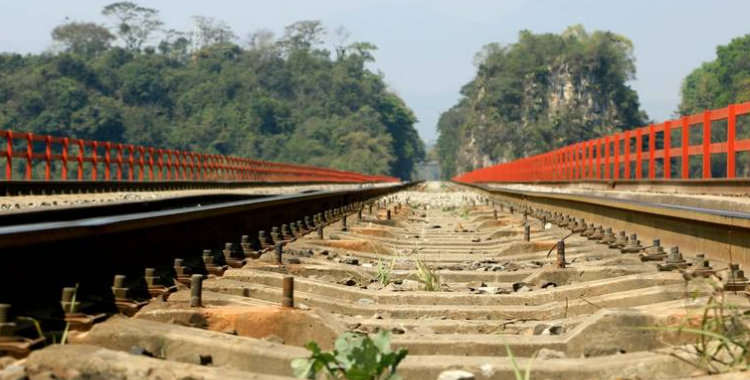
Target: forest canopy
{"type": "Point", "coordinates": [283, 99]}
{"type": "Point", "coordinates": [720, 82]}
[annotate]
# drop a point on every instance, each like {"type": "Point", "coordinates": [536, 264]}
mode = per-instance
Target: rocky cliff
{"type": "Point", "coordinates": [542, 92]}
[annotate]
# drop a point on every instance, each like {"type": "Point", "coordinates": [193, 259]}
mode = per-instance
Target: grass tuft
{"type": "Point", "coordinates": [385, 271]}
{"type": "Point", "coordinates": [427, 276]}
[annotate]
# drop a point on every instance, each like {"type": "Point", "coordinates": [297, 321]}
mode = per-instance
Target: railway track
{"type": "Point", "coordinates": [471, 279]}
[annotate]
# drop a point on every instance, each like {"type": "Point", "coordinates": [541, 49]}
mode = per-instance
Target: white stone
{"type": "Point", "coordinates": [456, 375]}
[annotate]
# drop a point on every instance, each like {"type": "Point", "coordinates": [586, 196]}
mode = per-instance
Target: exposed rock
{"type": "Point", "coordinates": [349, 260]}
{"type": "Point", "coordinates": [552, 330]}
{"type": "Point", "coordinates": [492, 290]}
{"type": "Point", "coordinates": [349, 281]}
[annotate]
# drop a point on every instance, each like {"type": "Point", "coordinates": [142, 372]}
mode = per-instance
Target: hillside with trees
{"type": "Point", "coordinates": [542, 92]}
{"type": "Point", "coordinates": [282, 99]}
{"type": "Point", "coordinates": [720, 82]}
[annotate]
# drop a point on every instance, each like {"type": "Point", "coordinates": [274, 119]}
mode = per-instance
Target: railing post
{"type": "Point", "coordinates": [667, 146]}
{"type": "Point", "coordinates": [225, 168]}
{"type": "Point", "coordinates": [731, 137]}
{"type": "Point", "coordinates": [639, 153]}
{"type": "Point", "coordinates": [94, 160]}
{"type": "Point", "coordinates": [29, 154]}
{"type": "Point", "coordinates": [119, 162]}
{"type": "Point", "coordinates": [169, 164]}
{"type": "Point", "coordinates": [581, 148]}
{"type": "Point", "coordinates": [706, 144]}
{"type": "Point", "coordinates": [592, 173]}
{"type": "Point", "coordinates": [651, 152]}
{"type": "Point", "coordinates": [177, 175]}
{"type": "Point", "coordinates": [685, 148]}
{"type": "Point", "coordinates": [151, 164]}
{"type": "Point", "coordinates": [599, 159]}
{"type": "Point", "coordinates": [141, 162]}
{"type": "Point", "coordinates": [626, 144]}
{"type": "Point", "coordinates": [192, 166]}
{"type": "Point", "coordinates": [47, 157]}
{"type": "Point", "coordinates": [199, 165]}
{"type": "Point", "coordinates": [65, 143]}
{"type": "Point", "coordinates": [107, 160]}
{"type": "Point", "coordinates": [131, 161]}
{"type": "Point", "coordinates": [81, 152]}
{"type": "Point", "coordinates": [577, 169]}
{"type": "Point", "coordinates": [616, 166]}
{"type": "Point", "coordinates": [160, 163]}
{"type": "Point", "coordinates": [571, 162]}
{"type": "Point", "coordinates": [607, 151]}
{"type": "Point", "coordinates": [8, 155]}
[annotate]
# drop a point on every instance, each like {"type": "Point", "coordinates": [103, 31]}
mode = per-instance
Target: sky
{"type": "Point", "coordinates": [426, 47]}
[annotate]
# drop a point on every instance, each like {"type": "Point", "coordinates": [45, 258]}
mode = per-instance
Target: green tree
{"type": "Point", "coordinates": [286, 101]}
{"type": "Point", "coordinates": [133, 23]}
{"type": "Point", "coordinates": [210, 31]}
{"type": "Point", "coordinates": [303, 35]}
{"type": "Point", "coordinates": [720, 82]}
{"type": "Point", "coordinates": [84, 38]}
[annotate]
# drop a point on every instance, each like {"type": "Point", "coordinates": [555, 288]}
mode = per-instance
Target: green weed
{"type": "Point", "coordinates": [354, 357]}
{"type": "Point", "coordinates": [520, 374]}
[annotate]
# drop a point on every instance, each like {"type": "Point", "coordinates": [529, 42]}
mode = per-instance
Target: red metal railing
{"type": "Point", "coordinates": [661, 151]}
{"type": "Point", "coordinates": [44, 157]}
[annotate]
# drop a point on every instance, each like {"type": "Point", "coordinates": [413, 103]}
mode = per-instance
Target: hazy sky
{"type": "Point", "coordinates": [426, 46]}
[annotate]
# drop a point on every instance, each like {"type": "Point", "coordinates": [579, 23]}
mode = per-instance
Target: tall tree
{"type": "Point", "coordinates": [133, 23]}
{"type": "Point", "coordinates": [209, 31]}
{"type": "Point", "coordinates": [84, 38]}
{"type": "Point", "coordinates": [303, 35]}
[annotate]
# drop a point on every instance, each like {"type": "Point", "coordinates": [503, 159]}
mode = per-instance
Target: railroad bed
{"type": "Point", "coordinates": [463, 279]}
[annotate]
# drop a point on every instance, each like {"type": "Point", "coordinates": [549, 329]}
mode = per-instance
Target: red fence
{"type": "Point", "coordinates": [702, 146]}
{"type": "Point", "coordinates": [44, 157]}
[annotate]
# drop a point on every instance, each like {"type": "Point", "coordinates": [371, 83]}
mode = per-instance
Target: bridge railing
{"type": "Point", "coordinates": [712, 144]}
{"type": "Point", "coordinates": [31, 156]}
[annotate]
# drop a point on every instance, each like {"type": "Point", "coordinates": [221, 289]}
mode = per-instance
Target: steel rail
{"type": "Point", "coordinates": [712, 186]}
{"type": "Point", "coordinates": [719, 234]}
{"type": "Point", "coordinates": [40, 187]}
{"type": "Point", "coordinates": [39, 259]}
{"type": "Point", "coordinates": [92, 210]}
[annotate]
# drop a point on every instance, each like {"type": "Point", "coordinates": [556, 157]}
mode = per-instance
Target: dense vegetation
{"type": "Point", "coordinates": [720, 82]}
{"type": "Point", "coordinates": [540, 93]}
{"type": "Point", "coordinates": [283, 100]}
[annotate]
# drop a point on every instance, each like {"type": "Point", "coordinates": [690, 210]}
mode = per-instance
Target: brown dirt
{"type": "Point", "coordinates": [379, 232]}
{"type": "Point", "coordinates": [351, 245]}
{"type": "Point", "coordinates": [293, 326]}
{"type": "Point", "coordinates": [494, 224]}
